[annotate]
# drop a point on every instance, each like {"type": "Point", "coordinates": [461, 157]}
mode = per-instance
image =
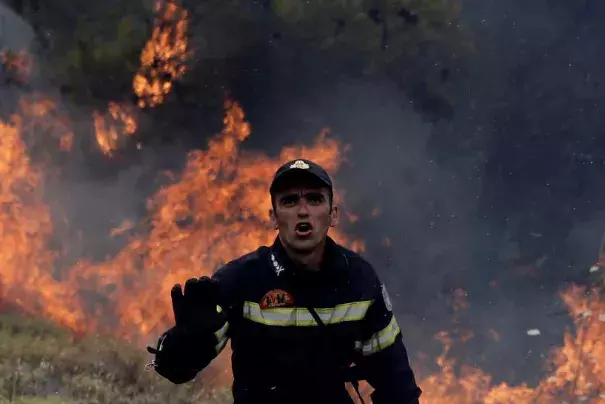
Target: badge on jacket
{"type": "Point", "coordinates": [276, 298]}
{"type": "Point", "coordinates": [276, 265]}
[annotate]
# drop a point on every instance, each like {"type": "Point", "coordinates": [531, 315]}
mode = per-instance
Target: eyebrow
{"type": "Point", "coordinates": [308, 191]}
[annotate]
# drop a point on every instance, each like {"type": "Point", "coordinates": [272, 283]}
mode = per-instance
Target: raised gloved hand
{"type": "Point", "coordinates": [196, 307]}
{"type": "Point", "coordinates": [190, 345]}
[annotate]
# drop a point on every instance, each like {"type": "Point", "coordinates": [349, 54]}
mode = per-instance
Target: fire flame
{"type": "Point", "coordinates": [44, 121]}
{"type": "Point", "coordinates": [110, 129]}
{"type": "Point", "coordinates": [216, 209]}
{"type": "Point", "coordinates": [164, 56]}
{"type": "Point", "coordinates": [162, 61]}
{"type": "Point", "coordinates": [577, 371]}
{"type": "Point", "coordinates": [213, 211]}
{"type": "Point", "coordinates": [25, 228]}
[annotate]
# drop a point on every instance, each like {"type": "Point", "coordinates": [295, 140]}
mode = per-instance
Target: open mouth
{"type": "Point", "coordinates": [303, 229]}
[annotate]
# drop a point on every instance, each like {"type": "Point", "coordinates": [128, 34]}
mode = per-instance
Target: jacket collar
{"type": "Point", "coordinates": [334, 261]}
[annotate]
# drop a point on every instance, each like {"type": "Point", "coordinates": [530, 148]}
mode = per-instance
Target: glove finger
{"type": "Point", "coordinates": [191, 293]}
{"type": "Point", "coordinates": [203, 293]}
{"type": "Point", "coordinates": [190, 288]}
{"type": "Point", "coordinates": [208, 290]}
{"type": "Point", "coordinates": [178, 304]}
{"type": "Point", "coordinates": [152, 350]}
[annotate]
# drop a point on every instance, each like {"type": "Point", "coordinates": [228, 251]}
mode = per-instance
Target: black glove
{"type": "Point", "coordinates": [196, 309]}
{"type": "Point", "coordinates": [191, 344]}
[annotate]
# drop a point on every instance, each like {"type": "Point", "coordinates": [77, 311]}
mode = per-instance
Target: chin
{"type": "Point", "coordinates": [304, 246]}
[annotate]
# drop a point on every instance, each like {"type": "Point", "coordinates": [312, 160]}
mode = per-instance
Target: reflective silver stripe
{"type": "Point", "coordinates": [220, 334]}
{"type": "Point", "coordinates": [301, 317]}
{"type": "Point", "coordinates": [221, 344]}
{"type": "Point", "coordinates": [221, 337]}
{"type": "Point", "coordinates": [382, 339]}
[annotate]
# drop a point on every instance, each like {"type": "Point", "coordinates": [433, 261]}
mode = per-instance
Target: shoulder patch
{"type": "Point", "coordinates": [385, 297]}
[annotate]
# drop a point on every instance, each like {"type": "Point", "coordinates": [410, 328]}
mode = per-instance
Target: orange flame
{"type": "Point", "coordinates": [577, 373]}
{"type": "Point", "coordinates": [218, 209]}
{"type": "Point", "coordinates": [579, 366]}
{"type": "Point", "coordinates": [25, 229]}
{"type": "Point", "coordinates": [162, 61]}
{"type": "Point", "coordinates": [45, 121]}
{"type": "Point", "coordinates": [214, 210]}
{"type": "Point", "coordinates": [110, 129]}
{"type": "Point", "coordinates": [164, 56]}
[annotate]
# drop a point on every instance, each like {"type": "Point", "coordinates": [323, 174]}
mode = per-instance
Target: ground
{"type": "Point", "coordinates": [43, 364]}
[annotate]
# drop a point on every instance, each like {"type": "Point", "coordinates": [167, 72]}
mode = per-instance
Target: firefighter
{"type": "Point", "coordinates": [304, 316]}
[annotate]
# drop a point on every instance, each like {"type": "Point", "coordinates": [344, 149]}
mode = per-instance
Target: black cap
{"type": "Point", "coordinates": [301, 166]}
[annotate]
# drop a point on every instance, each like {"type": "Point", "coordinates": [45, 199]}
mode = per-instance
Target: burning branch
{"type": "Point", "coordinates": [162, 61]}
{"type": "Point", "coordinates": [164, 56]}
{"type": "Point", "coordinates": [111, 128]}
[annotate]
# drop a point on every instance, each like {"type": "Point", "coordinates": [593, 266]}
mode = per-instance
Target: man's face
{"type": "Point", "coordinates": [303, 215]}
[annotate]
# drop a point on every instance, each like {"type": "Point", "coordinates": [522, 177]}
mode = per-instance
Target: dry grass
{"type": "Point", "coordinates": [42, 364]}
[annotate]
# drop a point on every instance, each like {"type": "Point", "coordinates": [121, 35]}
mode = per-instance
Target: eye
{"type": "Point", "coordinates": [315, 198]}
{"type": "Point", "coordinates": [289, 200]}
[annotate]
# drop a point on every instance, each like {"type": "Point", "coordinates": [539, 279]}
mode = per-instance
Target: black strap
{"type": "Point", "coordinates": [316, 317]}
{"type": "Point", "coordinates": [322, 325]}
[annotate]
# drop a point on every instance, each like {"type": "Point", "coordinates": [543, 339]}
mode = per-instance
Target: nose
{"type": "Point", "coordinates": [303, 210]}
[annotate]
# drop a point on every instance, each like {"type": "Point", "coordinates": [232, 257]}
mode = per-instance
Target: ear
{"type": "Point", "coordinates": [334, 217]}
{"type": "Point", "coordinates": [273, 219]}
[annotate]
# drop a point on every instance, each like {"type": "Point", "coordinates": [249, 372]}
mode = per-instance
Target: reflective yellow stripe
{"type": "Point", "coordinates": [382, 339]}
{"type": "Point", "coordinates": [301, 317]}
{"type": "Point", "coordinates": [221, 337]}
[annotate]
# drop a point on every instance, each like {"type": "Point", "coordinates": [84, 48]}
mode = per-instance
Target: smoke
{"type": "Point", "coordinates": [510, 182]}
{"type": "Point", "coordinates": [526, 123]}
{"type": "Point", "coordinates": [541, 105]}
{"type": "Point", "coordinates": [503, 201]}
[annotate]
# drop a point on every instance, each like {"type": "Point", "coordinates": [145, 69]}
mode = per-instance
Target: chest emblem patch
{"type": "Point", "coordinates": [276, 298]}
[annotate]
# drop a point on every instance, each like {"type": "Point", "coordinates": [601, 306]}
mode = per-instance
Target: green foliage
{"type": "Point", "coordinates": [42, 364]}
{"type": "Point", "coordinates": [345, 26]}
{"type": "Point", "coordinates": [99, 53]}
{"type": "Point", "coordinates": [233, 41]}
{"type": "Point", "coordinates": [413, 41]}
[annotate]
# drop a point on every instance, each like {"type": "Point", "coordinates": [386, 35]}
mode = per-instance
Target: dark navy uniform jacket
{"type": "Point", "coordinates": [283, 354]}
